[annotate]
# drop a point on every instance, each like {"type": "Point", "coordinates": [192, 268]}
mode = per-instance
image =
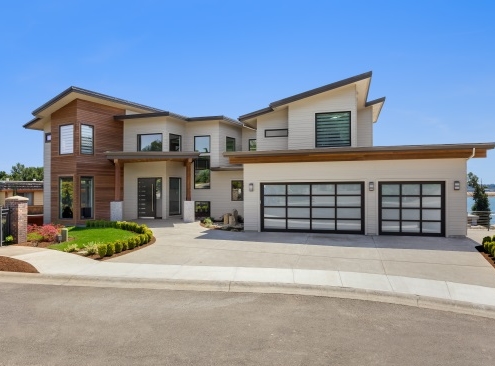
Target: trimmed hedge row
{"type": "Point", "coordinates": [108, 249]}
{"type": "Point", "coordinates": [489, 245]}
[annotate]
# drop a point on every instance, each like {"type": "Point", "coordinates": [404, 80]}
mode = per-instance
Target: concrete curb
{"type": "Point", "coordinates": [418, 301]}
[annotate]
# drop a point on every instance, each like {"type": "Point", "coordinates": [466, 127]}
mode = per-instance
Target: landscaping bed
{"type": "Point", "coordinates": [487, 249]}
{"type": "Point", "coordinates": [15, 265]}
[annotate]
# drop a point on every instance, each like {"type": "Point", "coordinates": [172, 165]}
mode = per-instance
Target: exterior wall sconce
{"type": "Point", "coordinates": [251, 187]}
{"type": "Point", "coordinates": [371, 186]}
{"type": "Point", "coordinates": [457, 185]}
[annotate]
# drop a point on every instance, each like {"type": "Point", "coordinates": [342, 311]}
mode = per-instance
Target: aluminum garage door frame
{"type": "Point", "coordinates": [411, 208]}
{"type": "Point", "coordinates": [323, 207]}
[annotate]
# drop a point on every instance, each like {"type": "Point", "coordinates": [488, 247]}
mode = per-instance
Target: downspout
{"type": "Point", "coordinates": [472, 155]}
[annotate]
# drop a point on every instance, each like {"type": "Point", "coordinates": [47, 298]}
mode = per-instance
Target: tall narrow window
{"type": "Point", "coordinates": [202, 144]}
{"type": "Point", "coordinates": [86, 189]}
{"type": "Point", "coordinates": [237, 190]}
{"type": "Point", "coordinates": [202, 173]}
{"type": "Point", "coordinates": [87, 139]}
{"type": "Point", "coordinates": [66, 139]}
{"type": "Point", "coordinates": [150, 142]}
{"type": "Point", "coordinates": [252, 144]}
{"type": "Point", "coordinates": [230, 144]}
{"type": "Point", "coordinates": [333, 129]}
{"type": "Point", "coordinates": [174, 142]}
{"type": "Point", "coordinates": [66, 197]}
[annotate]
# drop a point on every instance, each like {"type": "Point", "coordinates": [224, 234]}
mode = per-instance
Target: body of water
{"type": "Point", "coordinates": [491, 199]}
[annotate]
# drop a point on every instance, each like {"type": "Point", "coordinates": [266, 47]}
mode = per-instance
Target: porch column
{"type": "Point", "coordinates": [117, 206]}
{"type": "Point", "coordinates": [188, 204]}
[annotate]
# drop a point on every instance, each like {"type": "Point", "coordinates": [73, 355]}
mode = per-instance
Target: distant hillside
{"type": "Point", "coordinates": [488, 188]}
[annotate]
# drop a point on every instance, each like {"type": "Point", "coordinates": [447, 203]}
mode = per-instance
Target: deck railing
{"type": "Point", "coordinates": [481, 219]}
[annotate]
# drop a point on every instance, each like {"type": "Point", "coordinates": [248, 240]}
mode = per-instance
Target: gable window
{"type": "Point", "coordinates": [237, 187]}
{"type": "Point", "coordinates": [66, 197]}
{"type": "Point", "coordinates": [279, 132]}
{"type": "Point", "coordinates": [202, 173]}
{"type": "Point", "coordinates": [174, 142]}
{"type": "Point", "coordinates": [48, 137]}
{"type": "Point", "coordinates": [230, 144]}
{"type": "Point", "coordinates": [333, 129]}
{"type": "Point", "coordinates": [150, 142]}
{"type": "Point", "coordinates": [87, 139]}
{"type": "Point", "coordinates": [66, 139]}
{"type": "Point", "coordinates": [202, 144]}
{"type": "Point", "coordinates": [252, 144]}
{"type": "Point", "coordinates": [86, 191]}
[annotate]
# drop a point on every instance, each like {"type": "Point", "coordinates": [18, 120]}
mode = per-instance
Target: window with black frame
{"type": "Point", "coordinates": [87, 139]}
{"type": "Point", "coordinates": [150, 142]}
{"type": "Point", "coordinates": [175, 142]}
{"type": "Point", "coordinates": [333, 129]}
{"type": "Point", "coordinates": [202, 172]}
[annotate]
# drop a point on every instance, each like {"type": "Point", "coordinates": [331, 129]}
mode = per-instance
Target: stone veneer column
{"type": "Point", "coordinates": [18, 217]}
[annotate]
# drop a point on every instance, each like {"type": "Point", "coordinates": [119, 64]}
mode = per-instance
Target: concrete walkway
{"type": "Point", "coordinates": [433, 272]}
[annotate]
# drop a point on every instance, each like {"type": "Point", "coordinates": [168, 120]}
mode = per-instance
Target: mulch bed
{"type": "Point", "coordinates": [485, 255]}
{"type": "Point", "coordinates": [15, 265]}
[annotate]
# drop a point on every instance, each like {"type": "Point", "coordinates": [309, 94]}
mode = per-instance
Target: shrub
{"type": "Point", "coordinates": [34, 237]}
{"type": "Point", "coordinates": [118, 246]}
{"type": "Point", "coordinates": [489, 247]}
{"type": "Point", "coordinates": [71, 248]}
{"type": "Point", "coordinates": [207, 222]}
{"type": "Point", "coordinates": [48, 232]}
{"type": "Point", "coordinates": [493, 238]}
{"type": "Point", "coordinates": [102, 250]}
{"type": "Point", "coordinates": [9, 239]}
{"type": "Point", "coordinates": [486, 239]}
{"type": "Point", "coordinates": [130, 243]}
{"type": "Point", "coordinates": [124, 245]}
{"type": "Point", "coordinates": [91, 248]}
{"type": "Point", "coordinates": [492, 248]}
{"type": "Point", "coordinates": [110, 249]}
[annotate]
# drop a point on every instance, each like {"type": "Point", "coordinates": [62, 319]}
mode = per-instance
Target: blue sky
{"type": "Point", "coordinates": [433, 60]}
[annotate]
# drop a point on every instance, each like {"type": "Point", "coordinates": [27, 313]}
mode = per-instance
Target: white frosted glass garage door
{"type": "Point", "coordinates": [412, 208]}
{"type": "Point", "coordinates": [314, 207]}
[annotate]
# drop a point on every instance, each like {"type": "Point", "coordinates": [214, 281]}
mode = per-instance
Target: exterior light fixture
{"type": "Point", "coordinates": [251, 187]}
{"type": "Point", "coordinates": [457, 185]}
{"type": "Point", "coordinates": [371, 186]}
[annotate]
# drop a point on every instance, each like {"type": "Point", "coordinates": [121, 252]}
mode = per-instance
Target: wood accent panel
{"type": "Point", "coordinates": [108, 135]}
{"type": "Point", "coordinates": [357, 156]}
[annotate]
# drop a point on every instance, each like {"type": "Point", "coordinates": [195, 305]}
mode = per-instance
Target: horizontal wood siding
{"type": "Point", "coordinates": [301, 115]}
{"type": "Point", "coordinates": [365, 127]}
{"type": "Point", "coordinates": [107, 137]}
{"type": "Point", "coordinates": [447, 170]}
{"type": "Point", "coordinates": [47, 168]}
{"type": "Point", "coordinates": [274, 120]}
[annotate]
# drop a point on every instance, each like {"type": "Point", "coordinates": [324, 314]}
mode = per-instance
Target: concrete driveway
{"type": "Point", "coordinates": [444, 259]}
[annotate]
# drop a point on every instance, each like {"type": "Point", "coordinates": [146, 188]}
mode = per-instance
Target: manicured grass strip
{"type": "Point", "coordinates": [83, 236]}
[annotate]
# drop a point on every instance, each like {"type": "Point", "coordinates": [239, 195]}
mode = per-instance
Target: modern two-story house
{"type": "Point", "coordinates": [304, 163]}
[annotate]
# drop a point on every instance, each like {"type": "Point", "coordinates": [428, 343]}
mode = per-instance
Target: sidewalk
{"type": "Point", "coordinates": [60, 268]}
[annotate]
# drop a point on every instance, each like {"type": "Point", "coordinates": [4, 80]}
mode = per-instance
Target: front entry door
{"type": "Point", "coordinates": [174, 196]}
{"type": "Point", "coordinates": [149, 198]}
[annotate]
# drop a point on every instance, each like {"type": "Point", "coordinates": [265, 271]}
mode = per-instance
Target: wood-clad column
{"type": "Point", "coordinates": [118, 183]}
{"type": "Point", "coordinates": [188, 163]}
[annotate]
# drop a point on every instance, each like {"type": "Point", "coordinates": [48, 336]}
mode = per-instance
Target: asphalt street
{"type": "Point", "coordinates": [61, 325]}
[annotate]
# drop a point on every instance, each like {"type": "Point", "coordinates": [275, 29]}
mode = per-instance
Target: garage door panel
{"type": "Point", "coordinates": [412, 208]}
{"type": "Point", "coordinates": [313, 207]}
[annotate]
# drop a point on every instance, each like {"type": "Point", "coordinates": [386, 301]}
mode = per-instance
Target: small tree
{"type": "Point", "coordinates": [480, 197]}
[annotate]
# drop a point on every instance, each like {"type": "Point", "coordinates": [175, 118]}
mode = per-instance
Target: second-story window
{"type": "Point", "coordinates": [333, 129]}
{"type": "Point", "coordinates": [202, 144]}
{"type": "Point", "coordinates": [66, 139]}
{"type": "Point", "coordinates": [150, 142]}
{"type": "Point", "coordinates": [230, 144]}
{"type": "Point", "coordinates": [252, 144]}
{"type": "Point", "coordinates": [87, 139]}
{"type": "Point", "coordinates": [174, 142]}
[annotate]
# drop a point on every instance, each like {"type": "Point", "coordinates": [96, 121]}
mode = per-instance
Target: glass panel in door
{"type": "Point", "coordinates": [149, 196]}
{"type": "Point", "coordinates": [174, 196]}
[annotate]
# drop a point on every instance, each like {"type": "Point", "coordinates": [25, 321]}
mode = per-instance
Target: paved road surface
{"type": "Point", "coordinates": [53, 325]}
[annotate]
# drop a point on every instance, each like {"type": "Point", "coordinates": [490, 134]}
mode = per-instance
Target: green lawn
{"type": "Point", "coordinates": [82, 236]}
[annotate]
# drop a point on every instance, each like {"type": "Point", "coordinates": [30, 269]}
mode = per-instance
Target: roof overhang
{"type": "Point", "coordinates": [230, 168]}
{"type": "Point", "coordinates": [43, 112]}
{"type": "Point", "coordinates": [150, 156]}
{"type": "Point", "coordinates": [361, 81]}
{"type": "Point", "coordinates": [178, 116]}
{"type": "Point", "coordinates": [449, 151]}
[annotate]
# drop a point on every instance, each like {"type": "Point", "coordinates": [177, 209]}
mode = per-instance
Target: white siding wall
{"type": "Point", "coordinates": [133, 171]}
{"type": "Point", "coordinates": [175, 170]}
{"type": "Point", "coordinates": [365, 127]}
{"type": "Point", "coordinates": [302, 115]}
{"type": "Point", "coordinates": [219, 194]}
{"type": "Point", "coordinates": [273, 120]}
{"type": "Point", "coordinates": [163, 125]}
{"type": "Point", "coordinates": [47, 168]}
{"type": "Point", "coordinates": [202, 128]}
{"type": "Point", "coordinates": [447, 170]}
{"type": "Point", "coordinates": [229, 130]}
{"type": "Point", "coordinates": [247, 134]}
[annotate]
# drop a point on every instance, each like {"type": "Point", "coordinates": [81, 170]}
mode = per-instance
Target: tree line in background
{"type": "Point", "coordinates": [19, 172]}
